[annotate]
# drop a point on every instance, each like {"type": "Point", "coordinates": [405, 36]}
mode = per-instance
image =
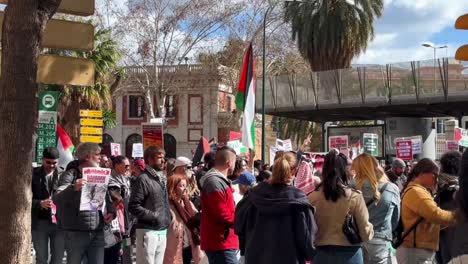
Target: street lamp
{"type": "Point", "coordinates": [267, 12]}
{"type": "Point", "coordinates": [435, 48]}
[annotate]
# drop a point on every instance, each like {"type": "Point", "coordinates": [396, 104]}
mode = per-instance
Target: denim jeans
{"type": "Point", "coordinates": [81, 245]}
{"type": "Point", "coordinates": [46, 234]}
{"type": "Point", "coordinates": [378, 251]}
{"type": "Point", "coordinates": [112, 254]}
{"type": "Point", "coordinates": [222, 257]}
{"type": "Point", "coordinates": [338, 254]}
{"type": "Point", "coordinates": [150, 246]}
{"type": "Point", "coordinates": [415, 256]}
{"type": "Point", "coordinates": [459, 260]}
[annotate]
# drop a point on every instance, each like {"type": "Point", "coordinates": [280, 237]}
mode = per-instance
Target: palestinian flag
{"type": "Point", "coordinates": [245, 99]}
{"type": "Point", "coordinates": [65, 148]}
{"type": "Point", "coordinates": [202, 148]}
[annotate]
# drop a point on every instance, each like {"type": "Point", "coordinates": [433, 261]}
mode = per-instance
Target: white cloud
{"type": "Point", "coordinates": [406, 24]}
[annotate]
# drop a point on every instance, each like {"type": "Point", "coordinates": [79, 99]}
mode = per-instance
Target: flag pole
{"type": "Point", "coordinates": [263, 83]}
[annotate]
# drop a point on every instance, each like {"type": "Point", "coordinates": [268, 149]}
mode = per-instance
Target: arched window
{"type": "Point", "coordinates": [170, 146]}
{"type": "Point", "coordinates": [105, 145]}
{"type": "Point", "coordinates": [132, 139]}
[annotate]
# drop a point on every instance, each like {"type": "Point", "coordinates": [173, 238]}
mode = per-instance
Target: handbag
{"type": "Point", "coordinates": [350, 229]}
{"type": "Point", "coordinates": [112, 234]}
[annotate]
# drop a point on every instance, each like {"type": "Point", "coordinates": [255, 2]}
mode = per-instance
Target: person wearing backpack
{"type": "Point", "coordinates": [422, 219]}
{"type": "Point", "coordinates": [382, 198]}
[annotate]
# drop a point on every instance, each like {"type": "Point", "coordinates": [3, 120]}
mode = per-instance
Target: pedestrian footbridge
{"type": "Point", "coordinates": [366, 92]}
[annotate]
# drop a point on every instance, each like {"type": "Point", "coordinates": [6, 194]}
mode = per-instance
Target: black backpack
{"type": "Point", "coordinates": [398, 235]}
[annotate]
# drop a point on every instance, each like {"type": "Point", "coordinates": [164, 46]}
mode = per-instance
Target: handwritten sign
{"type": "Point", "coordinates": [404, 149]}
{"type": "Point", "coordinates": [115, 149]}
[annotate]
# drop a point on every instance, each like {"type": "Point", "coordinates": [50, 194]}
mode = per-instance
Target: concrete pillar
{"type": "Point", "coordinates": [429, 136]}
{"type": "Point", "coordinates": [450, 126]}
{"type": "Point", "coordinates": [408, 127]}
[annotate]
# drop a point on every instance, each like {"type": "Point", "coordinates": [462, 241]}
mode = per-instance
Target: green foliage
{"type": "Point", "coordinates": [106, 57]}
{"type": "Point", "coordinates": [330, 33]}
{"type": "Point", "coordinates": [298, 130]}
{"type": "Point", "coordinates": [109, 118]}
{"type": "Point", "coordinates": [356, 123]}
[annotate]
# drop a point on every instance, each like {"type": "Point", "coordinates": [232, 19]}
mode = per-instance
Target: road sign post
{"type": "Point", "coordinates": [91, 124]}
{"type": "Point", "coordinates": [47, 122]}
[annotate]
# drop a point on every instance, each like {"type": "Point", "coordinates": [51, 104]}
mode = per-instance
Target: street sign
{"type": "Point", "coordinates": [52, 69]}
{"type": "Point", "coordinates": [47, 122]}
{"type": "Point", "coordinates": [462, 22]}
{"type": "Point", "coordinates": [91, 122]}
{"type": "Point", "coordinates": [90, 130]}
{"type": "Point", "coordinates": [73, 7]}
{"type": "Point", "coordinates": [90, 113]}
{"type": "Point", "coordinates": [92, 139]}
{"type": "Point", "coordinates": [462, 52]}
{"type": "Point", "coordinates": [67, 35]}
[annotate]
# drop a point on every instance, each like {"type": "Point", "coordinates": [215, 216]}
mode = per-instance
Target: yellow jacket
{"type": "Point", "coordinates": [418, 202]}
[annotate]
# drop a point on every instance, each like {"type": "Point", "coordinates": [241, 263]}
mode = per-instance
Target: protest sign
{"type": "Point", "coordinates": [371, 144]}
{"type": "Point", "coordinates": [337, 142]}
{"type": "Point", "coordinates": [93, 193]}
{"type": "Point", "coordinates": [451, 145]}
{"type": "Point", "coordinates": [404, 149]}
{"type": "Point", "coordinates": [137, 150]}
{"type": "Point", "coordinates": [115, 149]}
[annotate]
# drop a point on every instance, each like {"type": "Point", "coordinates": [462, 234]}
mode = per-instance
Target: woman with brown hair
{"type": "Point", "coordinates": [274, 221]}
{"type": "Point", "coordinates": [336, 202]}
{"type": "Point", "coordinates": [183, 243]}
{"type": "Point", "coordinates": [421, 217]}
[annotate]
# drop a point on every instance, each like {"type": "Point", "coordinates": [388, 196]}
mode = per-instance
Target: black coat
{"type": "Point", "coordinates": [275, 224]}
{"type": "Point", "coordinates": [149, 202]}
{"type": "Point", "coordinates": [69, 216]}
{"type": "Point", "coordinates": [41, 191]}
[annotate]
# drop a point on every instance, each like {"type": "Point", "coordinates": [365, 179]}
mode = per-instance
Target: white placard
{"type": "Point", "coordinates": [137, 150]}
{"type": "Point", "coordinates": [287, 145]}
{"type": "Point", "coordinates": [272, 154]}
{"type": "Point", "coordinates": [115, 149]}
{"type": "Point", "coordinates": [93, 193]}
{"type": "Point", "coordinates": [236, 145]}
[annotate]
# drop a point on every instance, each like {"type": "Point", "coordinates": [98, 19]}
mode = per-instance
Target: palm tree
{"type": "Point", "coordinates": [330, 33]}
{"type": "Point", "coordinates": [298, 130]}
{"type": "Point", "coordinates": [108, 75]}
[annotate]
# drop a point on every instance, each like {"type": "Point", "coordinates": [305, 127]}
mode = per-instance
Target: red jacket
{"type": "Point", "coordinates": [218, 209]}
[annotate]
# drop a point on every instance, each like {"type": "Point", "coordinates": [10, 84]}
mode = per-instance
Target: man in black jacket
{"type": "Point", "coordinates": [43, 221]}
{"type": "Point", "coordinates": [149, 204]}
{"type": "Point", "coordinates": [84, 235]}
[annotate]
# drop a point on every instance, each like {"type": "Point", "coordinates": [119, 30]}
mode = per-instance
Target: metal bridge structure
{"type": "Point", "coordinates": [433, 88]}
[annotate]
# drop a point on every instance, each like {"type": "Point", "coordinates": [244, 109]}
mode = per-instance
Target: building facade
{"type": "Point", "coordinates": [199, 102]}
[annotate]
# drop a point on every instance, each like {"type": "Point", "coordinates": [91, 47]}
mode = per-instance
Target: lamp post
{"type": "Point", "coordinates": [267, 12]}
{"type": "Point", "coordinates": [435, 48]}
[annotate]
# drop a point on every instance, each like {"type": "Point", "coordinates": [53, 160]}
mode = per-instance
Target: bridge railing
{"type": "Point", "coordinates": [442, 80]}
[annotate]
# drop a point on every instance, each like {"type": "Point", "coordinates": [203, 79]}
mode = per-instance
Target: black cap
{"type": "Point", "coordinates": [50, 153]}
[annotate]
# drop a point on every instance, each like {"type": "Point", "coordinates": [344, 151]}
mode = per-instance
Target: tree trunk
{"type": "Point", "coordinates": [21, 37]}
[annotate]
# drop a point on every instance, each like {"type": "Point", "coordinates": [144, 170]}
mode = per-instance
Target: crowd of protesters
{"type": "Point", "coordinates": [228, 209]}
